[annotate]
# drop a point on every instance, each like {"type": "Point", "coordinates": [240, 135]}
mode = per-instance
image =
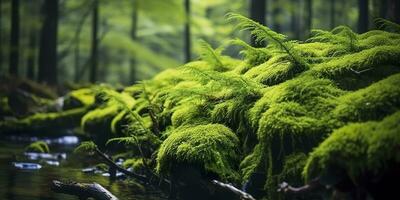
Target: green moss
{"type": "Point", "coordinates": [212, 147]}
{"type": "Point", "coordinates": [44, 122]}
{"type": "Point", "coordinates": [357, 149]}
{"type": "Point", "coordinates": [372, 103]}
{"type": "Point", "coordinates": [364, 60]}
{"type": "Point", "coordinates": [293, 168]}
{"type": "Point", "coordinates": [79, 98]}
{"type": "Point", "coordinates": [38, 146]}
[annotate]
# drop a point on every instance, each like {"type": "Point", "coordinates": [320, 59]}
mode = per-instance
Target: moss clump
{"type": "Point", "coordinates": [38, 146]}
{"type": "Point", "coordinates": [79, 98]}
{"type": "Point", "coordinates": [212, 147]}
{"type": "Point", "coordinates": [372, 103]}
{"type": "Point", "coordinates": [357, 149]}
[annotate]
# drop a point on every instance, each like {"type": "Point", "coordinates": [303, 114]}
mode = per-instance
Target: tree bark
{"type": "Point", "coordinates": [294, 22]}
{"type": "Point", "coordinates": [48, 43]}
{"type": "Point", "coordinates": [363, 16]}
{"type": "Point", "coordinates": [332, 14]}
{"type": "Point", "coordinates": [83, 190]}
{"type": "Point", "coordinates": [394, 11]}
{"type": "Point", "coordinates": [309, 14]}
{"type": "Point", "coordinates": [94, 53]}
{"type": "Point", "coordinates": [187, 34]}
{"type": "Point", "coordinates": [14, 41]}
{"type": "Point", "coordinates": [257, 13]}
{"type": "Point", "coordinates": [1, 35]}
{"type": "Point", "coordinates": [134, 38]}
{"type": "Point", "coordinates": [32, 54]}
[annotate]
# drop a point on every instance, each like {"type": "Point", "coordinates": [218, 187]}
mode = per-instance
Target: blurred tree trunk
{"type": "Point", "coordinates": [31, 55]}
{"type": "Point", "coordinates": [14, 41]}
{"type": "Point", "coordinates": [187, 39]}
{"type": "Point", "coordinates": [383, 9]}
{"type": "Point", "coordinates": [257, 13]}
{"type": "Point", "coordinates": [363, 16]}
{"type": "Point", "coordinates": [294, 22]}
{"type": "Point", "coordinates": [309, 14]}
{"type": "Point", "coordinates": [332, 14]}
{"type": "Point", "coordinates": [276, 12]}
{"type": "Point", "coordinates": [1, 36]}
{"type": "Point", "coordinates": [94, 51]}
{"type": "Point", "coordinates": [134, 37]}
{"type": "Point", "coordinates": [394, 10]}
{"type": "Point", "coordinates": [48, 44]}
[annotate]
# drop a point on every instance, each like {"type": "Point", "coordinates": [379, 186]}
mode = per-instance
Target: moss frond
{"type": "Point", "coordinates": [86, 147]}
{"type": "Point", "coordinates": [38, 146]}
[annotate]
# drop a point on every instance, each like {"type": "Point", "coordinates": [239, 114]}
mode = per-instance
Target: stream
{"type": "Point", "coordinates": [34, 184]}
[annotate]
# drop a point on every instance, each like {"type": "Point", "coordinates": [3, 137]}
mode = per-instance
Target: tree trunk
{"type": "Point", "coordinates": [332, 14]}
{"type": "Point", "coordinates": [276, 12]}
{"type": "Point", "coordinates": [134, 37]}
{"type": "Point", "coordinates": [48, 43]}
{"type": "Point", "coordinates": [363, 16]}
{"type": "Point", "coordinates": [94, 53]}
{"type": "Point", "coordinates": [257, 13]}
{"type": "Point", "coordinates": [187, 39]}
{"type": "Point", "coordinates": [31, 56]}
{"type": "Point", "coordinates": [394, 12]}
{"type": "Point", "coordinates": [1, 36]}
{"type": "Point", "coordinates": [294, 22]}
{"type": "Point", "coordinates": [309, 14]}
{"type": "Point", "coordinates": [14, 42]}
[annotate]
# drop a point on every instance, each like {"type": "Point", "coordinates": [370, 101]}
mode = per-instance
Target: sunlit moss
{"type": "Point", "coordinates": [78, 98]}
{"type": "Point", "coordinates": [212, 146]}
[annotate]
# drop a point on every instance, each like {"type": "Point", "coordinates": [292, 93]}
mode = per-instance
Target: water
{"type": "Point", "coordinates": [17, 184]}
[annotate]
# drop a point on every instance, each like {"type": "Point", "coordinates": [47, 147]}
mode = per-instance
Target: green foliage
{"type": "Point", "coordinates": [86, 147]}
{"type": "Point", "coordinates": [135, 163]}
{"type": "Point", "coordinates": [264, 34]}
{"type": "Point", "coordinates": [212, 146]}
{"type": "Point", "coordinates": [38, 146]}
{"type": "Point", "coordinates": [253, 56]}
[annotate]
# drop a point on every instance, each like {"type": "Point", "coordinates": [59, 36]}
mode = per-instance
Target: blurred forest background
{"type": "Point", "coordinates": [124, 41]}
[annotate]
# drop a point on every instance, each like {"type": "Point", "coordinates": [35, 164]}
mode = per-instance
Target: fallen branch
{"type": "Point", "coordinates": [83, 190]}
{"type": "Point", "coordinates": [313, 185]}
{"type": "Point", "coordinates": [359, 72]}
{"type": "Point", "coordinates": [114, 165]}
{"type": "Point", "coordinates": [243, 195]}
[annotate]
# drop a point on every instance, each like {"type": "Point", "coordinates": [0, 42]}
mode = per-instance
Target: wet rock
{"type": "Point", "coordinates": [27, 166]}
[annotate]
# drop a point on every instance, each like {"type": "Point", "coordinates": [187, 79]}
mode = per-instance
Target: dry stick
{"type": "Point", "coordinates": [83, 190]}
{"type": "Point", "coordinates": [243, 195]}
{"type": "Point", "coordinates": [313, 185]}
